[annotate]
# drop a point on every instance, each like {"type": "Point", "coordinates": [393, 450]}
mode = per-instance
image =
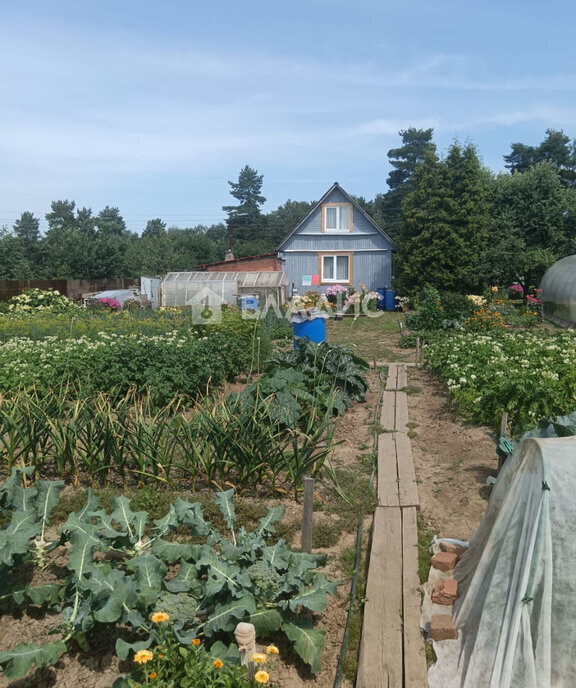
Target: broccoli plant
{"type": "Point", "coordinates": [118, 573]}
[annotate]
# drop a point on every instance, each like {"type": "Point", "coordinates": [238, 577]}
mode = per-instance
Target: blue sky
{"type": "Point", "coordinates": [153, 106]}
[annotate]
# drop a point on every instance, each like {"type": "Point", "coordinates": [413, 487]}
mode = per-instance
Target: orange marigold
{"type": "Point", "coordinates": [159, 617]}
{"type": "Point", "coordinates": [153, 675]}
{"type": "Point", "coordinates": [196, 641]}
{"type": "Point", "coordinates": [218, 663]}
{"type": "Point", "coordinates": [143, 656]}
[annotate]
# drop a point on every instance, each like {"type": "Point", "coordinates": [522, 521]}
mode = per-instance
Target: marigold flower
{"type": "Point", "coordinates": [258, 657]}
{"type": "Point", "coordinates": [143, 656]}
{"type": "Point", "coordinates": [272, 650]}
{"type": "Point", "coordinates": [218, 663]}
{"type": "Point", "coordinates": [196, 641]}
{"type": "Point", "coordinates": [153, 675]}
{"type": "Point", "coordinates": [159, 617]}
{"type": "Point", "coordinates": [261, 676]}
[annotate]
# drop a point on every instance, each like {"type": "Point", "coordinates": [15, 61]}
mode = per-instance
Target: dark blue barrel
{"type": "Point", "coordinates": [390, 300]}
{"type": "Point", "coordinates": [314, 330]}
{"type": "Point", "coordinates": [381, 305]}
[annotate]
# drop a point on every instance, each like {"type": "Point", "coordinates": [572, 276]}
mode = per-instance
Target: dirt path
{"type": "Point", "coordinates": [452, 460]}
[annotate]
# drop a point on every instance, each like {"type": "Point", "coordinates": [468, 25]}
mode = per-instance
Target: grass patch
{"type": "Point", "coordinates": [412, 390]}
{"type": "Point", "coordinates": [370, 337]}
{"type": "Point", "coordinates": [425, 537]}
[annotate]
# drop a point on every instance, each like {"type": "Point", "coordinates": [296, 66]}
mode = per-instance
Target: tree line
{"type": "Point", "coordinates": [458, 225]}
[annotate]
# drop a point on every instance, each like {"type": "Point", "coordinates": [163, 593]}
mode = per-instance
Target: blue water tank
{"type": "Point", "coordinates": [314, 330]}
{"type": "Point", "coordinates": [381, 305]}
{"type": "Point", "coordinates": [390, 300]}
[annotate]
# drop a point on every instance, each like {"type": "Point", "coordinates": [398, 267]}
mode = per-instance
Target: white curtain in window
{"type": "Point", "coordinates": [342, 270]}
{"type": "Point", "coordinates": [344, 217]}
{"type": "Point", "coordinates": [328, 267]}
{"type": "Point", "coordinates": [332, 218]}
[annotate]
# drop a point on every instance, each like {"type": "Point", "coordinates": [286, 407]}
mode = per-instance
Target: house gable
{"type": "Point", "coordinates": [315, 222]}
{"type": "Point", "coordinates": [337, 243]}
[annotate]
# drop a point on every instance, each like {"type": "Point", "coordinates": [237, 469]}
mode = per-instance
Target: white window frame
{"type": "Point", "coordinates": [335, 279]}
{"type": "Point", "coordinates": [338, 208]}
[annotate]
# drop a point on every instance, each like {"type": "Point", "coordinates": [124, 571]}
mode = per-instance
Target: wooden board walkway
{"type": "Point", "coordinates": [392, 648]}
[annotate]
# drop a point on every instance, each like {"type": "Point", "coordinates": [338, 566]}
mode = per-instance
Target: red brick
{"type": "Point", "coordinates": [452, 548]}
{"type": "Point", "coordinates": [445, 592]}
{"type": "Point", "coordinates": [444, 561]}
{"type": "Point", "coordinates": [443, 628]}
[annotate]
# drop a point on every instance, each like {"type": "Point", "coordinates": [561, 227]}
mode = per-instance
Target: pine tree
{"type": "Point", "coordinates": [245, 222]}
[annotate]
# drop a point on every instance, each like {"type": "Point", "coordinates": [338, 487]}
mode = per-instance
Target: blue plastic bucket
{"type": "Point", "coordinates": [381, 305]}
{"type": "Point", "coordinates": [314, 330]}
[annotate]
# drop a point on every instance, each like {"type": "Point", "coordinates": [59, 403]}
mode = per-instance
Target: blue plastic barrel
{"type": "Point", "coordinates": [314, 330]}
{"type": "Point", "coordinates": [390, 300]}
{"type": "Point", "coordinates": [249, 302]}
{"type": "Point", "coordinates": [381, 305]}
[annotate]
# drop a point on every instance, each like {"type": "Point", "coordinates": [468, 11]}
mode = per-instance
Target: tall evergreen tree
{"type": "Point", "coordinates": [533, 225]}
{"type": "Point", "coordinates": [245, 221]}
{"type": "Point", "coordinates": [387, 208]}
{"type": "Point", "coordinates": [27, 228]}
{"type": "Point", "coordinates": [557, 148]}
{"type": "Point", "coordinates": [445, 222]}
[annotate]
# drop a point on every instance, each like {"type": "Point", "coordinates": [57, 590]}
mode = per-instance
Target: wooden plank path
{"type": "Point", "coordinates": [392, 651]}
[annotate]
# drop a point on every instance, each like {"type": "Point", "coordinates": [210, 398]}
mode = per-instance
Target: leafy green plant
{"type": "Point", "coordinates": [219, 581]}
{"type": "Point", "coordinates": [531, 375]}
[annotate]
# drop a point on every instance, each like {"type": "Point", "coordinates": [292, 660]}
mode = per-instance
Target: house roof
{"type": "Point", "coordinates": [335, 187]}
{"type": "Point", "coordinates": [275, 278]}
{"type": "Point", "coordinates": [257, 256]}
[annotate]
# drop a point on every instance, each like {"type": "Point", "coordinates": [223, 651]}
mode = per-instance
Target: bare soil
{"type": "Point", "coordinates": [452, 463]}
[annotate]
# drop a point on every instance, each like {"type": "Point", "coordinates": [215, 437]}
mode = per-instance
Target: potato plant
{"type": "Point", "coordinates": [531, 375]}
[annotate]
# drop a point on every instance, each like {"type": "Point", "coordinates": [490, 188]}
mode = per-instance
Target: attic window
{"type": "Point", "coordinates": [337, 217]}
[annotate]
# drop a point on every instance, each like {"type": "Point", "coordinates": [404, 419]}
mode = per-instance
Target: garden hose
{"type": "Point", "coordinates": [353, 586]}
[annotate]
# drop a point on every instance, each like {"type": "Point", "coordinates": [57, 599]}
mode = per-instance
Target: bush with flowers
{"type": "Point", "coordinates": [483, 319]}
{"type": "Point", "coordinates": [309, 302]}
{"type": "Point", "coordinates": [362, 299]}
{"type": "Point", "coordinates": [337, 294]}
{"type": "Point", "coordinates": [169, 664]}
{"type": "Point", "coordinates": [41, 300]}
{"type": "Point", "coordinates": [104, 304]}
{"type": "Point", "coordinates": [515, 291]}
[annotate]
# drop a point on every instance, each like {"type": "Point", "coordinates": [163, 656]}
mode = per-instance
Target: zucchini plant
{"type": "Point", "coordinates": [220, 578]}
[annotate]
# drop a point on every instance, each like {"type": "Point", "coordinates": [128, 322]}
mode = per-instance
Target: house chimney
{"type": "Point", "coordinates": [229, 256]}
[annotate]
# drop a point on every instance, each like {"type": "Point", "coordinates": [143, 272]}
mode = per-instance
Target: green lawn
{"type": "Point", "coordinates": [371, 337]}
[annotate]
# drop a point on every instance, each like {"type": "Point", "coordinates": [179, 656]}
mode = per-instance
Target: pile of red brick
{"type": "Point", "coordinates": [442, 627]}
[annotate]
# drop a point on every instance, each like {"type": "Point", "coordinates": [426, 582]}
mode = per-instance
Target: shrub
{"type": "Point", "coordinates": [34, 299]}
{"type": "Point", "coordinates": [429, 311]}
{"type": "Point", "coordinates": [456, 306]}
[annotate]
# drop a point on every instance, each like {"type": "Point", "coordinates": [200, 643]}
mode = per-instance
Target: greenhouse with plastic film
{"type": "Point", "coordinates": [559, 292]}
{"type": "Point", "coordinates": [215, 288]}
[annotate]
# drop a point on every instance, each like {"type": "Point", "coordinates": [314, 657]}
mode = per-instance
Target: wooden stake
{"type": "Point", "coordinates": [417, 351]}
{"type": "Point", "coordinates": [504, 424]}
{"type": "Point", "coordinates": [308, 515]}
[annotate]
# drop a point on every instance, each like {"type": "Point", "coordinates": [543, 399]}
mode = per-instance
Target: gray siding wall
{"type": "Point", "coordinates": [374, 269]}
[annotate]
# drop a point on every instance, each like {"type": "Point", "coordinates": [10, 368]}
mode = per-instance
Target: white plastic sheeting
{"type": "Point", "coordinates": [516, 610]}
